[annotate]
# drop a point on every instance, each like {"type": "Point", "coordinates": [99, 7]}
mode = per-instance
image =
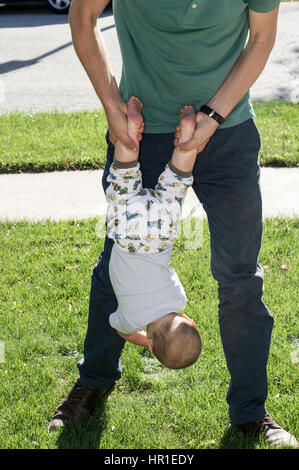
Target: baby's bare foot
{"type": "Point", "coordinates": [184, 133]}
{"type": "Point", "coordinates": [186, 128]}
{"type": "Point", "coordinates": [135, 119]}
{"type": "Point", "coordinates": [135, 130]}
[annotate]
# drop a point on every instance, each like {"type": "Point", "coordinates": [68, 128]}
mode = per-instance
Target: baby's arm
{"type": "Point", "coordinates": [138, 338]}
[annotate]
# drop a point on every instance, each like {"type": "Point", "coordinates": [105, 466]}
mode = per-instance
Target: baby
{"type": "Point", "coordinates": [143, 224]}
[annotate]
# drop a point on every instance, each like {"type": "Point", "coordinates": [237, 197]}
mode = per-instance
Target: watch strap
{"type": "Point", "coordinates": [212, 113]}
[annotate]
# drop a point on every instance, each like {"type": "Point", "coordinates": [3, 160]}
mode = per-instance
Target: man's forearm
{"type": "Point", "coordinates": [91, 51]}
{"type": "Point", "coordinates": [250, 64]}
{"type": "Point", "coordinates": [90, 48]}
{"type": "Point", "coordinates": [243, 75]}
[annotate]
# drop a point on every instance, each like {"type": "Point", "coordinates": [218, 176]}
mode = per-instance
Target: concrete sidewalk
{"type": "Point", "coordinates": [79, 195]}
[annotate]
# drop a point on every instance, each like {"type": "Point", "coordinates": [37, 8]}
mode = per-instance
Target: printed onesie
{"type": "Point", "coordinates": [143, 223]}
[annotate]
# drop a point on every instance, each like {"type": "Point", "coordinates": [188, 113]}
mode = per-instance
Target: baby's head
{"type": "Point", "coordinates": [174, 340]}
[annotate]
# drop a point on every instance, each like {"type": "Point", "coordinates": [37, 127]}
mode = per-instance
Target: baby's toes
{"type": "Point", "coordinates": [137, 101]}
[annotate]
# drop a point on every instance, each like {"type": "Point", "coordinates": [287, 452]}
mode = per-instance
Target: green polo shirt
{"type": "Point", "coordinates": [178, 52]}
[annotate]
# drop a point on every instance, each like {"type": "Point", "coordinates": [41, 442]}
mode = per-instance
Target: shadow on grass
{"type": "Point", "coordinates": [84, 434]}
{"type": "Point", "coordinates": [234, 439]}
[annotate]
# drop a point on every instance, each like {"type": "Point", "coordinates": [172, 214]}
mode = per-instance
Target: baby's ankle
{"type": "Point", "coordinates": [125, 155]}
{"type": "Point", "coordinates": [187, 124]}
{"type": "Point", "coordinates": [184, 161]}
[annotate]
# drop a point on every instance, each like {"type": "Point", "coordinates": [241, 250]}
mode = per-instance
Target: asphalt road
{"type": "Point", "coordinates": [39, 69]}
{"type": "Point", "coordinates": [38, 65]}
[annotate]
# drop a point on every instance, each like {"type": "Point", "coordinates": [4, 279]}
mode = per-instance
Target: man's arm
{"type": "Point", "coordinates": [90, 48]}
{"type": "Point", "coordinates": [244, 73]}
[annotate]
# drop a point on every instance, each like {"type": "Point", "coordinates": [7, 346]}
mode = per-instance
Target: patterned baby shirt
{"type": "Point", "coordinates": [140, 219]}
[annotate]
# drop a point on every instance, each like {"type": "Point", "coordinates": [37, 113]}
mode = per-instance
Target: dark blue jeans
{"type": "Point", "coordinates": [226, 181]}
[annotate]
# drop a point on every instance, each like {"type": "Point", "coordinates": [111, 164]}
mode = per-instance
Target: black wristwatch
{"type": "Point", "coordinates": [212, 113]}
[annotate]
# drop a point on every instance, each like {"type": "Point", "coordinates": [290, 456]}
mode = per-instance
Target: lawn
{"type": "Point", "coordinates": [45, 278]}
{"type": "Point", "coordinates": [61, 141]}
{"type": "Point", "coordinates": [45, 273]}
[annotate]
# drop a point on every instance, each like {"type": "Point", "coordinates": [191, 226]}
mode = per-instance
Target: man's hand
{"type": "Point", "coordinates": [118, 124]}
{"type": "Point", "coordinates": [205, 128]}
{"type": "Point", "coordinates": [90, 48]}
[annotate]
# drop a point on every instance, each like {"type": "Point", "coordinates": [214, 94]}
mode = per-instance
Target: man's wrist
{"type": "Point", "coordinates": [205, 120]}
{"type": "Point", "coordinates": [212, 113]}
{"type": "Point", "coordinates": [110, 105]}
{"type": "Point", "coordinates": [112, 100]}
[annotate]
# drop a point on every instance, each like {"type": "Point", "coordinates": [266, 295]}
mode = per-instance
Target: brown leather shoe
{"type": "Point", "coordinates": [273, 433]}
{"type": "Point", "coordinates": [80, 402]}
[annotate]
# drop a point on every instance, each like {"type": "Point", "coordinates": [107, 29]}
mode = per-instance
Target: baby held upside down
{"type": "Point", "coordinates": [143, 224]}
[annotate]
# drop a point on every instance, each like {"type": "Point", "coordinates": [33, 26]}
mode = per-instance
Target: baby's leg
{"type": "Point", "coordinates": [185, 161]}
{"type": "Point", "coordinates": [135, 127]}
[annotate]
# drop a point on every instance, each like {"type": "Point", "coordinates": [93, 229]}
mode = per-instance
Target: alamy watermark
{"type": "Point", "coordinates": [294, 94]}
{"type": "Point", "coordinates": [295, 352]}
{"type": "Point", "coordinates": [2, 91]}
{"type": "Point", "coordinates": [191, 229]}
{"type": "Point", "coordinates": [144, 223]}
{"type": "Point", "coordinates": [2, 351]}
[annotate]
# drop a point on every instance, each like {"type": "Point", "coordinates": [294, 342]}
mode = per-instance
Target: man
{"type": "Point", "coordinates": [188, 52]}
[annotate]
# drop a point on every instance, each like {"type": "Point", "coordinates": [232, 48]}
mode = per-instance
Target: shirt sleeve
{"type": "Point", "coordinates": [123, 182]}
{"type": "Point", "coordinates": [120, 323]}
{"type": "Point", "coordinates": [172, 186]}
{"type": "Point", "coordinates": [263, 6]}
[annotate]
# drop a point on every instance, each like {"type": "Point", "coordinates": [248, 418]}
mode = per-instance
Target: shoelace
{"type": "Point", "coordinates": [267, 421]}
{"type": "Point", "coordinates": [276, 436]}
{"type": "Point", "coordinates": [76, 393]}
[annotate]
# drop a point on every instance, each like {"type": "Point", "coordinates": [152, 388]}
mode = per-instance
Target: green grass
{"type": "Point", "coordinates": [61, 141]}
{"type": "Point", "coordinates": [278, 124]}
{"type": "Point", "coordinates": [52, 141]}
{"type": "Point", "coordinates": [45, 278]}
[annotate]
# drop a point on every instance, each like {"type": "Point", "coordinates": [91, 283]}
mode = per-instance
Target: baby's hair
{"type": "Point", "coordinates": [179, 348]}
